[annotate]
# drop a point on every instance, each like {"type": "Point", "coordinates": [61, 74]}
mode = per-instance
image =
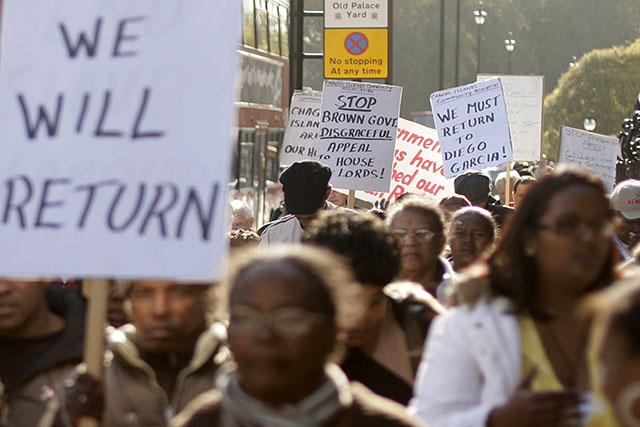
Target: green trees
{"type": "Point", "coordinates": [548, 34]}
{"type": "Point", "coordinates": [606, 82]}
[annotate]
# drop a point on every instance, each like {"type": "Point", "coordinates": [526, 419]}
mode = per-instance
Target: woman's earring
{"type": "Point", "coordinates": [625, 403]}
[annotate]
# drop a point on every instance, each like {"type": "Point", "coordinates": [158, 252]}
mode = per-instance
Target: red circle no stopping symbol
{"type": "Point", "coordinates": [356, 43]}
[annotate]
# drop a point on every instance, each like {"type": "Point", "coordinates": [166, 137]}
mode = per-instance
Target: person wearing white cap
{"type": "Point", "coordinates": [625, 201]}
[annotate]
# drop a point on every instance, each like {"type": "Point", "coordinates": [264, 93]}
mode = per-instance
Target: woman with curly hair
{"type": "Point", "coordinates": [384, 344]}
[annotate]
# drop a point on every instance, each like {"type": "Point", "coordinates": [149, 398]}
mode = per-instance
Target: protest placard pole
{"type": "Point", "coordinates": [97, 293]}
{"type": "Point", "coordinates": [351, 200]}
{"type": "Point", "coordinates": [507, 185]}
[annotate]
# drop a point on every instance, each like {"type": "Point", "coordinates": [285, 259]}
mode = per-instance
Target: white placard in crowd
{"type": "Point", "coordinates": [594, 152]}
{"type": "Point", "coordinates": [116, 132]}
{"type": "Point", "coordinates": [524, 96]}
{"type": "Point", "coordinates": [472, 126]}
{"type": "Point", "coordinates": [417, 165]}
{"type": "Point", "coordinates": [357, 133]}
{"type": "Point", "coordinates": [301, 135]}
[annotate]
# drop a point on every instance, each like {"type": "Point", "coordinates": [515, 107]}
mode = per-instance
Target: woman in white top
{"type": "Point", "coordinates": [519, 356]}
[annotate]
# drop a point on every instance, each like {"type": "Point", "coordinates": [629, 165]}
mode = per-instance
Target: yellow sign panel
{"type": "Point", "coordinates": [361, 53]}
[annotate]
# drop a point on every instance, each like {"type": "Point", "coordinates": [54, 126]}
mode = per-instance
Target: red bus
{"type": "Point", "coordinates": [262, 105]}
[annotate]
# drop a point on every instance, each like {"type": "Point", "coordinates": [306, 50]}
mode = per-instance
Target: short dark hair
{"type": "Point", "coordinates": [488, 221]}
{"type": "Point", "coordinates": [524, 180]}
{"type": "Point", "coordinates": [474, 185]}
{"type": "Point", "coordinates": [363, 239]}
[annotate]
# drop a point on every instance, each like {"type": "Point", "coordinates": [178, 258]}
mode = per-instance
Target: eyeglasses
{"type": "Point", "coordinates": [420, 235]}
{"type": "Point", "coordinates": [285, 321]}
{"type": "Point", "coordinates": [575, 227]}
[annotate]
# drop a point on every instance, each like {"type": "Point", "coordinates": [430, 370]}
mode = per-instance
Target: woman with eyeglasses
{"type": "Point", "coordinates": [418, 225]}
{"type": "Point", "coordinates": [516, 352]}
{"type": "Point", "coordinates": [283, 322]}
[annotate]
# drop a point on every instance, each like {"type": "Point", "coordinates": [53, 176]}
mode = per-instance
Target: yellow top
{"type": "Point", "coordinates": [533, 354]}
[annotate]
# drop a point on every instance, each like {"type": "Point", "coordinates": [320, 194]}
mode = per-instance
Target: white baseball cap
{"type": "Point", "coordinates": [626, 198]}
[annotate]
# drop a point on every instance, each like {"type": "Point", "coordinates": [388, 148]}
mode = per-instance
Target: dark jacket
{"type": "Point", "coordinates": [359, 366]}
{"type": "Point", "coordinates": [500, 213]}
{"type": "Point", "coordinates": [133, 394]}
{"type": "Point", "coordinates": [33, 397]}
{"type": "Point", "coordinates": [366, 410]}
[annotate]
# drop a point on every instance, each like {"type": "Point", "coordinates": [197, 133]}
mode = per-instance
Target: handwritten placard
{"type": "Point", "coordinates": [524, 96]}
{"type": "Point", "coordinates": [301, 135]}
{"type": "Point", "coordinates": [594, 152]}
{"type": "Point", "coordinates": [472, 126]}
{"type": "Point", "coordinates": [357, 133]}
{"type": "Point", "coordinates": [116, 134]}
{"type": "Point", "coordinates": [417, 165]}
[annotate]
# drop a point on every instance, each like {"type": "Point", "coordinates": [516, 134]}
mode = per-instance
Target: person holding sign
{"type": "Point", "coordinates": [41, 341]}
{"type": "Point", "coordinates": [476, 186]}
{"type": "Point", "coordinates": [286, 307]}
{"type": "Point", "coordinates": [338, 198]}
{"type": "Point", "coordinates": [306, 188]}
{"type": "Point", "coordinates": [501, 185]}
{"type": "Point", "coordinates": [516, 349]}
{"type": "Point", "coordinates": [520, 188]}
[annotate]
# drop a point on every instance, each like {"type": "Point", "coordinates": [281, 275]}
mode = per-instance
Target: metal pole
{"type": "Point", "coordinates": [389, 80]}
{"type": "Point", "coordinates": [296, 52]}
{"type": "Point", "coordinates": [479, 38]}
{"type": "Point", "coordinates": [457, 71]}
{"type": "Point", "coordinates": [442, 33]}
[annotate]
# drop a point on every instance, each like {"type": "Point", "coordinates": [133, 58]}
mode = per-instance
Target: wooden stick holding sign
{"type": "Point", "coordinates": [97, 293]}
{"type": "Point", "coordinates": [351, 200]}
{"type": "Point", "coordinates": [507, 185]}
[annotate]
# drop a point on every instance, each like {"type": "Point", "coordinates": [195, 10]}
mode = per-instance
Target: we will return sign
{"type": "Point", "coordinates": [115, 154]}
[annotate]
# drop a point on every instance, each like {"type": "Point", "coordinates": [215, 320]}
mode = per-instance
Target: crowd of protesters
{"type": "Point", "coordinates": [464, 311]}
